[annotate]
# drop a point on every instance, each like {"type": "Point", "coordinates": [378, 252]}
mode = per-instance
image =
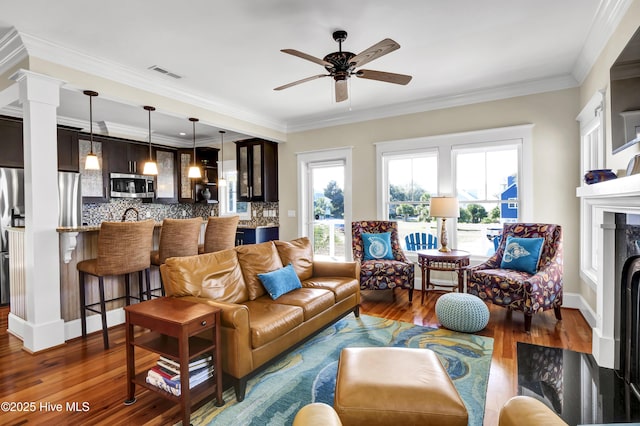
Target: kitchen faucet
{"type": "Point", "coordinates": [124, 216]}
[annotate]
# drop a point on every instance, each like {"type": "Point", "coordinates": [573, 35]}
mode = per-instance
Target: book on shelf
{"type": "Point", "coordinates": [194, 364]}
{"type": "Point", "coordinates": [173, 386]}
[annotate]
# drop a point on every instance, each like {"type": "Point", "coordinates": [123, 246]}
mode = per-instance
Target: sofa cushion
{"type": "Point", "coordinates": [312, 300]}
{"type": "Point", "coordinates": [257, 259]}
{"type": "Point", "coordinates": [213, 275]}
{"type": "Point", "coordinates": [280, 281]}
{"type": "Point", "coordinates": [299, 253]}
{"type": "Point", "coordinates": [268, 321]}
{"type": "Point", "coordinates": [342, 287]}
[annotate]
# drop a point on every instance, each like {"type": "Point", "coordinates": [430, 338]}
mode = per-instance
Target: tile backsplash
{"type": "Point", "coordinates": [93, 214]}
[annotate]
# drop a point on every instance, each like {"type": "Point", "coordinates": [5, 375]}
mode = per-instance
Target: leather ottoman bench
{"type": "Point", "coordinates": [401, 386]}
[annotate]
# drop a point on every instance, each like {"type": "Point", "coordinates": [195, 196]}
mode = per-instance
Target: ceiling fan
{"type": "Point", "coordinates": [342, 65]}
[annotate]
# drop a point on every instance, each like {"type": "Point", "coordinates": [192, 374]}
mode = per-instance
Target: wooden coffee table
{"type": "Point", "coordinates": [173, 325]}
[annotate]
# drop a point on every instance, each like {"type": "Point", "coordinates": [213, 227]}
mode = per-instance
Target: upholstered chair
{"type": "Point", "coordinates": [220, 233]}
{"type": "Point", "coordinates": [381, 273]}
{"type": "Point", "coordinates": [530, 292]}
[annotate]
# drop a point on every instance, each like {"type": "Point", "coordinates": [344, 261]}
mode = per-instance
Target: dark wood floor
{"type": "Point", "coordinates": [82, 371]}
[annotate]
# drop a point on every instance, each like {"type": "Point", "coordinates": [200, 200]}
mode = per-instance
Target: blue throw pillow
{"type": "Point", "coordinates": [522, 254]}
{"type": "Point", "coordinates": [377, 246]}
{"type": "Point", "coordinates": [280, 281]}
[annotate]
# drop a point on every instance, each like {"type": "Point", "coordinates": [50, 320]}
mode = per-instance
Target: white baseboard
{"type": "Point", "coordinates": [73, 329]}
{"type": "Point", "coordinates": [576, 301]}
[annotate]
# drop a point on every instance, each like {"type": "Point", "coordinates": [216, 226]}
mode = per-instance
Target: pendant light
{"type": "Point", "coordinates": [194, 171]}
{"type": "Point", "coordinates": [222, 182]}
{"type": "Point", "coordinates": [150, 167]}
{"type": "Point", "coordinates": [91, 162]}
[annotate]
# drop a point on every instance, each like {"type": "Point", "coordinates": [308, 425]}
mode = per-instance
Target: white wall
{"type": "Point", "coordinates": [555, 148]}
{"type": "Point", "coordinates": [598, 79]}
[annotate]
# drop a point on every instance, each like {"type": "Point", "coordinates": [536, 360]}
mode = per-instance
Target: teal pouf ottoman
{"type": "Point", "coordinates": [462, 312]}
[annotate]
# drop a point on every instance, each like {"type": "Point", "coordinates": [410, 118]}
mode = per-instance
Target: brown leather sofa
{"type": "Point", "coordinates": [255, 328]}
{"type": "Point", "coordinates": [518, 411]}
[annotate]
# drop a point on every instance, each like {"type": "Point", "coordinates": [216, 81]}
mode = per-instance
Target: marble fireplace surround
{"type": "Point", "coordinates": [599, 203]}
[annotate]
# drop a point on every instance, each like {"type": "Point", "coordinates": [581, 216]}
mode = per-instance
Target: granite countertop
{"type": "Point", "coordinates": [92, 228]}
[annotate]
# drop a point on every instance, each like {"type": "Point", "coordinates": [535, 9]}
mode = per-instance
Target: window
{"type": "Point", "coordinates": [227, 194]}
{"type": "Point", "coordinates": [487, 190]}
{"type": "Point", "coordinates": [592, 148]}
{"type": "Point", "coordinates": [326, 231]}
{"type": "Point", "coordinates": [488, 170]}
{"type": "Point", "coordinates": [412, 180]}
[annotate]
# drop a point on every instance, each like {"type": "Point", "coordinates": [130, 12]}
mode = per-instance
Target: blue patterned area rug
{"type": "Point", "coordinates": [308, 374]}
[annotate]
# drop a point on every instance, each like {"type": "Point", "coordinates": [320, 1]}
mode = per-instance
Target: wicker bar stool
{"type": "Point", "coordinates": [220, 234]}
{"type": "Point", "coordinates": [179, 237]}
{"type": "Point", "coordinates": [123, 248]}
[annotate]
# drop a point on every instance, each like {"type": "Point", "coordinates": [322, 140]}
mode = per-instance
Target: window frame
{"type": "Point", "coordinates": [444, 145]}
{"type": "Point", "coordinates": [402, 155]}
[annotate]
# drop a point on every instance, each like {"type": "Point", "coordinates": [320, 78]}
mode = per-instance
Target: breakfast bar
{"type": "Point", "coordinates": [77, 244]}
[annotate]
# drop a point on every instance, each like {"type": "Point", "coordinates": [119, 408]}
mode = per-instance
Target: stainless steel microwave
{"type": "Point", "coordinates": [131, 186]}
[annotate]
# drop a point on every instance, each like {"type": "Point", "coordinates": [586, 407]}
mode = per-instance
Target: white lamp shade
{"type": "Point", "coordinates": [194, 172]}
{"type": "Point", "coordinates": [91, 162]}
{"type": "Point", "coordinates": [444, 207]}
{"type": "Point", "coordinates": [222, 182]}
{"type": "Point", "coordinates": [150, 168]}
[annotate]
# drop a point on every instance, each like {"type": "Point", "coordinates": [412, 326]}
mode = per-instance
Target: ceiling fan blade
{"type": "Point", "coordinates": [342, 91]}
{"type": "Point", "coordinates": [388, 77]}
{"type": "Point", "coordinates": [379, 49]}
{"type": "Point", "coordinates": [306, 56]}
{"type": "Point", "coordinates": [304, 80]}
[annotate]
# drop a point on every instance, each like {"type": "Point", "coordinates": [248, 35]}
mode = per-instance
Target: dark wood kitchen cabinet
{"type": "Point", "coordinates": [68, 159]}
{"type": "Point", "coordinates": [257, 165]}
{"type": "Point", "coordinates": [11, 143]}
{"type": "Point", "coordinates": [167, 179]}
{"type": "Point", "coordinates": [12, 146]}
{"type": "Point", "coordinates": [191, 190]}
{"type": "Point", "coordinates": [125, 157]}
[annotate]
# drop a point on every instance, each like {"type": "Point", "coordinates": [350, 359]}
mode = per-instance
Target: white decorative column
{"type": "Point", "coordinates": [43, 326]}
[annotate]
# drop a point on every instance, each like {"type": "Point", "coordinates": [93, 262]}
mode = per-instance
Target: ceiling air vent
{"type": "Point", "coordinates": [165, 72]}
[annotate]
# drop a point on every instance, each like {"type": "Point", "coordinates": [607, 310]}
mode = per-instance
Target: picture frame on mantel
{"type": "Point", "coordinates": [634, 165]}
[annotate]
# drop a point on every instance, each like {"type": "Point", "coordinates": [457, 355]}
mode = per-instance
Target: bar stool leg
{"type": "Point", "coordinates": [103, 313]}
{"type": "Point", "coordinates": [127, 290]}
{"type": "Point", "coordinates": [147, 274]}
{"type": "Point", "coordinates": [83, 304]}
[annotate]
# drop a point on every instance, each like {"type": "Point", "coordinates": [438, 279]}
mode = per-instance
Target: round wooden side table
{"type": "Point", "coordinates": [436, 260]}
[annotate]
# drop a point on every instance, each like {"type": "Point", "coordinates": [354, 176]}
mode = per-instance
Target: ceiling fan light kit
{"type": "Point", "coordinates": [341, 65]}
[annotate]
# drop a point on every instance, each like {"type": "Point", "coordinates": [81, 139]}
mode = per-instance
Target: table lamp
{"type": "Point", "coordinates": [444, 207]}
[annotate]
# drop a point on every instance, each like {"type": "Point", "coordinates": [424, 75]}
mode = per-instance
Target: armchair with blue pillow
{"type": "Point", "coordinates": [525, 273]}
{"type": "Point", "coordinates": [383, 265]}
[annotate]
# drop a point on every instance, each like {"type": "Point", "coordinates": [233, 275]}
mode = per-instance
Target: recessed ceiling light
{"type": "Point", "coordinates": [182, 134]}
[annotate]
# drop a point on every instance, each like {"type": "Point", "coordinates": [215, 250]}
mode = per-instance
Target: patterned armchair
{"type": "Point", "coordinates": [380, 274]}
{"type": "Point", "coordinates": [521, 291]}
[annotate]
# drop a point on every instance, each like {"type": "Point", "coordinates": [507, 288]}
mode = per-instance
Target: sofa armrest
{"type": "Point", "coordinates": [336, 269]}
{"type": "Point", "coordinates": [527, 411]}
{"type": "Point", "coordinates": [232, 316]}
{"type": "Point", "coordinates": [317, 414]}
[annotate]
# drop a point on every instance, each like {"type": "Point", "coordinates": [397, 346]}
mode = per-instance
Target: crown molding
{"type": "Point", "coordinates": [100, 67]}
{"type": "Point", "coordinates": [607, 19]}
{"type": "Point", "coordinates": [12, 50]}
{"type": "Point", "coordinates": [429, 104]}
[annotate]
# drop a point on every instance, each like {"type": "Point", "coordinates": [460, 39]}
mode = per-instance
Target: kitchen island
{"type": "Point", "coordinates": [78, 244]}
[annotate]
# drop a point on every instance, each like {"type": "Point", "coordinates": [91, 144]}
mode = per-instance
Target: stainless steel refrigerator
{"type": "Point", "coordinates": [12, 212]}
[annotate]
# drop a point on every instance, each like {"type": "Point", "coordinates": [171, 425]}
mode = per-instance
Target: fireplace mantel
{"type": "Point", "coordinates": [624, 187]}
{"type": "Point", "coordinates": [598, 205]}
